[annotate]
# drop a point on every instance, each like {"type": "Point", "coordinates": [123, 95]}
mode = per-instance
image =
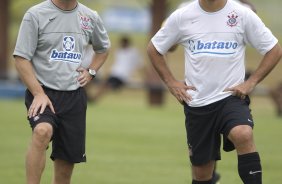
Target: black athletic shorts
{"type": "Point", "coordinates": [204, 126]}
{"type": "Point", "coordinates": [115, 82]}
{"type": "Point", "coordinates": [68, 122]}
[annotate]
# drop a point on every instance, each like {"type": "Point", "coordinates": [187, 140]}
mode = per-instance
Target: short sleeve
{"type": "Point", "coordinates": [257, 34]}
{"type": "Point", "coordinates": [100, 39]}
{"type": "Point", "coordinates": [168, 35]}
{"type": "Point", "coordinates": [27, 37]}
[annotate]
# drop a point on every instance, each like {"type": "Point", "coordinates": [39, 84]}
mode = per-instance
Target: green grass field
{"type": "Point", "coordinates": [129, 142]}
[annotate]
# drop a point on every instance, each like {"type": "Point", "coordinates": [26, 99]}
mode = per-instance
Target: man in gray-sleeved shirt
{"type": "Point", "coordinates": [49, 54]}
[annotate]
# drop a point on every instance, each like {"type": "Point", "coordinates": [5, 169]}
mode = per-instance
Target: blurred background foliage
{"type": "Point", "coordinates": [267, 10]}
{"type": "Point", "coordinates": [17, 7]}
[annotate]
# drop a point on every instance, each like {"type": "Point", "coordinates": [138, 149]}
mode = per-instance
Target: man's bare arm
{"type": "Point", "coordinates": [177, 88]}
{"type": "Point", "coordinates": [26, 73]}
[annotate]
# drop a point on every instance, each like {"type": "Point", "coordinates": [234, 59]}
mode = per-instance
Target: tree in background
{"type": "Point", "coordinates": [4, 19]}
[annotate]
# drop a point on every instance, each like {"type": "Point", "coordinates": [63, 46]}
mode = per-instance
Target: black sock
{"type": "Point", "coordinates": [249, 168]}
{"type": "Point", "coordinates": [202, 182]}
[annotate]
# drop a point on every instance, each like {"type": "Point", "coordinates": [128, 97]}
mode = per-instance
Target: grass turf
{"type": "Point", "coordinates": [130, 142]}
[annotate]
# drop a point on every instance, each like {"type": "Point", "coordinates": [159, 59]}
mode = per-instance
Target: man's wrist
{"type": "Point", "coordinates": [92, 72]}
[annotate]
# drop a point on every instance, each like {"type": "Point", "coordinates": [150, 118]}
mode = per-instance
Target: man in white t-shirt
{"type": "Point", "coordinates": [246, 3]}
{"type": "Point", "coordinates": [214, 34]}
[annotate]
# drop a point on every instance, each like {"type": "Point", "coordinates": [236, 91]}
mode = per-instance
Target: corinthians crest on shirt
{"type": "Point", "coordinates": [232, 19]}
{"type": "Point", "coordinates": [68, 54]}
{"type": "Point", "coordinates": [85, 22]}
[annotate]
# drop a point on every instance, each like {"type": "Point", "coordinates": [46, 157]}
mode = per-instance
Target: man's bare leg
{"type": "Point", "coordinates": [36, 154]}
{"type": "Point", "coordinates": [203, 172]}
{"type": "Point", "coordinates": [62, 172]}
{"type": "Point", "coordinates": [249, 166]}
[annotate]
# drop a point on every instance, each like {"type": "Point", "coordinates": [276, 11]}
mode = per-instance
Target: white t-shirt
{"type": "Point", "coordinates": [214, 45]}
{"type": "Point", "coordinates": [187, 2]}
{"type": "Point", "coordinates": [127, 60]}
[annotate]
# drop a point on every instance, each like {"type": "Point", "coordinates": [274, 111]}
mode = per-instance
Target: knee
{"type": "Point", "coordinates": [43, 132]}
{"type": "Point", "coordinates": [203, 172]}
{"type": "Point", "coordinates": [241, 135]}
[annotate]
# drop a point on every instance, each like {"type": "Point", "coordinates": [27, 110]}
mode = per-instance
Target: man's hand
{"type": "Point", "coordinates": [242, 90]}
{"type": "Point", "coordinates": [179, 90]}
{"type": "Point", "coordinates": [39, 103]}
{"type": "Point", "coordinates": [84, 76]}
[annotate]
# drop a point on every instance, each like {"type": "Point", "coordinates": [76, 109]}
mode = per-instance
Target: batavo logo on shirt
{"type": "Point", "coordinates": [68, 54]}
{"type": "Point", "coordinates": [212, 47]}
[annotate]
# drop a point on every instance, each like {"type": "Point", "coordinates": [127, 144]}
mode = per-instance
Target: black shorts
{"type": "Point", "coordinates": [68, 122]}
{"type": "Point", "coordinates": [115, 82]}
{"type": "Point", "coordinates": [204, 126]}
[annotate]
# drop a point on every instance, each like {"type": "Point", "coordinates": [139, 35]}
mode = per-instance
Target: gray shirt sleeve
{"type": "Point", "coordinates": [27, 37]}
{"type": "Point", "coordinates": [99, 38]}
